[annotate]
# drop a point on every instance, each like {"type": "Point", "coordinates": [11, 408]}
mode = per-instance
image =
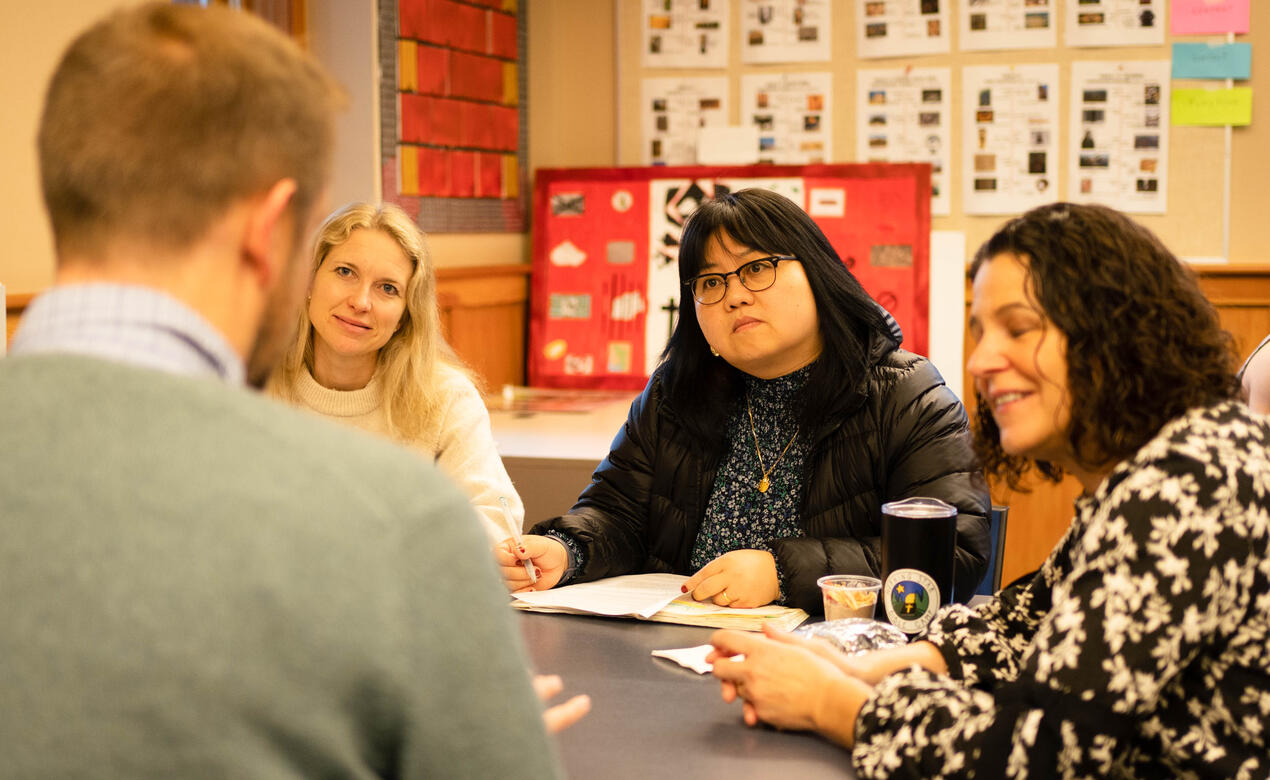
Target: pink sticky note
{"type": "Point", "coordinates": [1210, 17]}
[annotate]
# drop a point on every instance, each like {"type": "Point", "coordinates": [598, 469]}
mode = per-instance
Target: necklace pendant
{"type": "Point", "coordinates": [763, 485]}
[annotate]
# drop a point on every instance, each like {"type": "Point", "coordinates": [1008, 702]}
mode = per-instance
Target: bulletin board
{"type": "Point", "coordinates": [1192, 227]}
{"type": "Point", "coordinates": [606, 289]}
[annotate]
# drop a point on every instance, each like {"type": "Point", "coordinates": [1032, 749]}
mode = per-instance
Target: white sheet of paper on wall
{"type": "Point", "coordinates": [627, 306]}
{"type": "Point", "coordinates": [566, 254]}
{"type": "Point", "coordinates": [827, 202]}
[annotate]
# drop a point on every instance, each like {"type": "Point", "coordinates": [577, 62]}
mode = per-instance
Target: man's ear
{"type": "Point", "coordinates": [267, 225]}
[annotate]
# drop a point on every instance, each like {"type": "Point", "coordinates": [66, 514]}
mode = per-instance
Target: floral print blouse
{"type": "Point", "coordinates": [1140, 649]}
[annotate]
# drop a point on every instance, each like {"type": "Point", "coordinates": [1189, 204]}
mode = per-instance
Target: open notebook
{"type": "Point", "coordinates": [653, 597]}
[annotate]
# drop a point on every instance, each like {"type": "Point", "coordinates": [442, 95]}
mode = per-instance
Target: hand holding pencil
{"type": "Point", "coordinates": [511, 526]}
{"type": "Point", "coordinates": [542, 556]}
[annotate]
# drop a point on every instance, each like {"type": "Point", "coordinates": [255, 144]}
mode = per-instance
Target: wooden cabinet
{"type": "Point", "coordinates": [14, 306]}
{"type": "Point", "coordinates": [485, 317]}
{"type": "Point", "coordinates": [1039, 518]}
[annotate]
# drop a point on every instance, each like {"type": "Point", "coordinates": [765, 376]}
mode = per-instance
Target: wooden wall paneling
{"type": "Point", "coordinates": [1039, 518]}
{"type": "Point", "coordinates": [1242, 297]}
{"type": "Point", "coordinates": [485, 315]}
{"type": "Point", "coordinates": [15, 304]}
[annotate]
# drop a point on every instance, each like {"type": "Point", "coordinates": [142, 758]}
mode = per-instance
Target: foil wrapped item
{"type": "Point", "coordinates": [853, 636]}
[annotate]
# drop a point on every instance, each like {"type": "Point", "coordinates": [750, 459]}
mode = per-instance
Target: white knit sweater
{"type": "Point", "coordinates": [457, 439]}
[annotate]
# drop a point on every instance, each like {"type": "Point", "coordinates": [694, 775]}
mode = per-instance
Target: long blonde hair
{"type": "Point", "coordinates": [407, 366]}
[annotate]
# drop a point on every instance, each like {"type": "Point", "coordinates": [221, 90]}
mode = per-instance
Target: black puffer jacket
{"type": "Point", "coordinates": [906, 435]}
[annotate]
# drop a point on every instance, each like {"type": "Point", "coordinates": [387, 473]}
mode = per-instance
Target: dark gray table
{"type": "Point", "coordinates": [652, 718]}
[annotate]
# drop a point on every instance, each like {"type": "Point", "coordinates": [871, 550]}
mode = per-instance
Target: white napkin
{"type": "Point", "coordinates": [693, 658]}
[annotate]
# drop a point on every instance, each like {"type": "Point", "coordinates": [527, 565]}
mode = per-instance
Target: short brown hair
{"type": "Point", "coordinates": [160, 116]}
{"type": "Point", "coordinates": [1143, 343]}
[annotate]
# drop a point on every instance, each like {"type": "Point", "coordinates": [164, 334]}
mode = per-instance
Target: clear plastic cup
{"type": "Point", "coordinates": [849, 595]}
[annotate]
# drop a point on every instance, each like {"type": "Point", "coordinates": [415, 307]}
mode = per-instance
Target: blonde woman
{"type": "Point", "coordinates": [369, 352]}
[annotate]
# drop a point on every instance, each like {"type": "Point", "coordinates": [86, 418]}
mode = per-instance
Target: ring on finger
{"type": "Point", "coordinates": [726, 598]}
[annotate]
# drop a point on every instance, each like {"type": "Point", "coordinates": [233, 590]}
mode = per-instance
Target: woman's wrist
{"type": "Point", "coordinates": [927, 655]}
{"type": "Point", "coordinates": [573, 552]}
{"type": "Point", "coordinates": [838, 708]}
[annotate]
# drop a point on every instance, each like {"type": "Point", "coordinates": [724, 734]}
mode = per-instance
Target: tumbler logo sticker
{"type": "Point", "coordinates": [911, 599]}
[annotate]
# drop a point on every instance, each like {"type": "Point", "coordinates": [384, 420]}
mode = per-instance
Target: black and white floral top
{"type": "Point", "coordinates": [1140, 649]}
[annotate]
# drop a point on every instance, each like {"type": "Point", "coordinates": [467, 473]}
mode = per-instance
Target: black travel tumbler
{"type": "Point", "coordinates": [918, 538]}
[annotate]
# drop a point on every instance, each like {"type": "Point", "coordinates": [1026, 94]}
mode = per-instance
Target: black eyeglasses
{"type": "Point", "coordinates": [755, 276]}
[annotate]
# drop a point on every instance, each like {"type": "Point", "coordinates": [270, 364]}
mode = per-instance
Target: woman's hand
{"type": "Point", "coordinates": [548, 556]}
{"type": "Point", "coordinates": [741, 578]}
{"type": "Point", "coordinates": [787, 682]}
{"type": "Point", "coordinates": [561, 716]}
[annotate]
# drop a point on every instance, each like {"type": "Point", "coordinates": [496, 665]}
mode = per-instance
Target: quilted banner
{"type": "Point", "coordinates": [606, 288]}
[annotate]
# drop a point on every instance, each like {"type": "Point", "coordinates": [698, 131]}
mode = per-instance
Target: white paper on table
{"type": "Point", "coordinates": [632, 594]}
{"type": "Point", "coordinates": [693, 658]}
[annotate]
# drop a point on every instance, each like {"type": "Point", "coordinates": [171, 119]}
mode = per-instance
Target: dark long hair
{"type": "Point", "coordinates": [1143, 343]}
{"type": "Point", "coordinates": [699, 385]}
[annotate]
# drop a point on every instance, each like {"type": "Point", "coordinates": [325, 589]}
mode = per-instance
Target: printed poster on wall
{"type": "Point", "coordinates": [1119, 135]}
{"type": "Point", "coordinates": [1115, 23]}
{"type": "Point", "coordinates": [895, 28]}
{"type": "Point", "coordinates": [793, 113]}
{"type": "Point", "coordinates": [905, 115]}
{"type": "Point", "coordinates": [1009, 137]}
{"type": "Point", "coordinates": [685, 33]}
{"type": "Point", "coordinates": [785, 30]}
{"type": "Point", "coordinates": [1007, 24]}
{"type": "Point", "coordinates": [673, 110]}
{"type": "Point", "coordinates": [606, 292]}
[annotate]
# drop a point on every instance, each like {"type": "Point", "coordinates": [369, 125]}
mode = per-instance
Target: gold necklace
{"type": "Point", "coordinates": [764, 483]}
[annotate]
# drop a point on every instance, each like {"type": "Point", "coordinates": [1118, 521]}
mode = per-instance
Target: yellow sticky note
{"type": "Point", "coordinates": [1212, 107]}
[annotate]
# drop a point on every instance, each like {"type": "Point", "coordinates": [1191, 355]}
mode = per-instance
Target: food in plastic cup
{"type": "Point", "coordinates": [849, 595]}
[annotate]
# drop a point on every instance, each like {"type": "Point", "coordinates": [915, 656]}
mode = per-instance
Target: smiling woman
{"type": "Point", "coordinates": [783, 415]}
{"type": "Point", "coordinates": [1141, 647]}
{"type": "Point", "coordinates": [369, 352]}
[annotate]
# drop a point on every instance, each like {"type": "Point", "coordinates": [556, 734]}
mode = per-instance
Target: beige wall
{"type": "Point", "coordinates": [32, 38]}
{"type": "Point", "coordinates": [571, 117]}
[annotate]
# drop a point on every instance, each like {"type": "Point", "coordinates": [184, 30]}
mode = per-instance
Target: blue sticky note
{"type": "Point", "coordinates": [1202, 61]}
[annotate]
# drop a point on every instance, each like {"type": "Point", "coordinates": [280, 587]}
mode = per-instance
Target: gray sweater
{"type": "Point", "coordinates": [199, 582]}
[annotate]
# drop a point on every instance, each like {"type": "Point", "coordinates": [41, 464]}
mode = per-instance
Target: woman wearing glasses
{"type": "Point", "coordinates": [782, 417]}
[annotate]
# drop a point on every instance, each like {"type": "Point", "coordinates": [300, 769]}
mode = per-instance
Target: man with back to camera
{"type": "Point", "coordinates": [199, 582]}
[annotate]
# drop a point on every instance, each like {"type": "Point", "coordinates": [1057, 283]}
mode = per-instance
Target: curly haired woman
{"type": "Point", "coordinates": [1141, 647]}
